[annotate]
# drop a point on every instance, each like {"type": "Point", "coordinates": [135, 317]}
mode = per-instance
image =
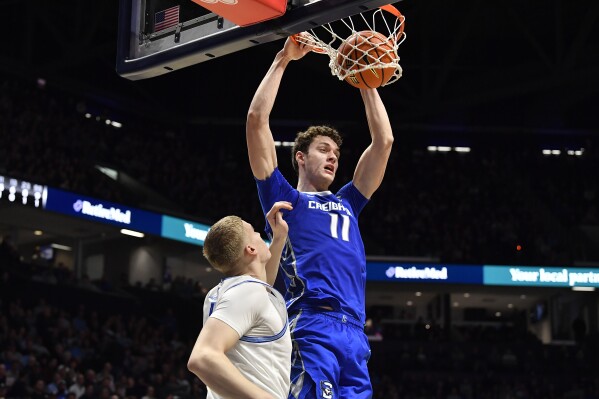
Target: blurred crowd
{"type": "Point", "coordinates": [504, 201]}
{"type": "Point", "coordinates": [68, 340]}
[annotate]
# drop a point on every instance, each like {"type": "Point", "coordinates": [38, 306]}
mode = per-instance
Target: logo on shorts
{"type": "Point", "coordinates": [326, 389]}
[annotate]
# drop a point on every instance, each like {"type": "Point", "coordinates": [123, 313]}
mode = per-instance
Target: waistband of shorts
{"type": "Point", "coordinates": [331, 314]}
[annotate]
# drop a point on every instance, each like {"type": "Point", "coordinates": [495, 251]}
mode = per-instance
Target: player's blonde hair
{"type": "Point", "coordinates": [223, 245]}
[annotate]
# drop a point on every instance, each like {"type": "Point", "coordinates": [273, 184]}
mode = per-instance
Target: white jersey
{"type": "Point", "coordinates": [257, 312]}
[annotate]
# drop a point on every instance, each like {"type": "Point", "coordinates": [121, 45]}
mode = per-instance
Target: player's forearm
{"type": "Point", "coordinates": [373, 162]}
{"type": "Point", "coordinates": [264, 98]}
{"type": "Point", "coordinates": [272, 266]}
{"type": "Point", "coordinates": [221, 376]}
{"type": "Point", "coordinates": [261, 145]}
{"type": "Point", "coordinates": [378, 119]}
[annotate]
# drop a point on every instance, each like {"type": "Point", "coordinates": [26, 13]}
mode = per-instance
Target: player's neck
{"type": "Point", "coordinates": [306, 186]}
{"type": "Point", "coordinates": [256, 270]}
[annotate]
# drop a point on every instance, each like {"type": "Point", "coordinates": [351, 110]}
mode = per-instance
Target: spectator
{"type": "Point", "coordinates": [78, 387]}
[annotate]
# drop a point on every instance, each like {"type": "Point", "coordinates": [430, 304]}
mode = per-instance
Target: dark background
{"type": "Point", "coordinates": [466, 64]}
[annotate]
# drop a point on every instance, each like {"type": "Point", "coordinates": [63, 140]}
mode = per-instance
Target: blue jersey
{"type": "Point", "coordinates": [323, 263]}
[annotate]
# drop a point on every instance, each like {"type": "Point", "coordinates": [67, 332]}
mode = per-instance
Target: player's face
{"type": "Point", "coordinates": [322, 161]}
{"type": "Point", "coordinates": [257, 242]}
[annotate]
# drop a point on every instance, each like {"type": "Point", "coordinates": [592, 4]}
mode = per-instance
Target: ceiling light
{"type": "Point", "coordinates": [132, 233]}
{"type": "Point", "coordinates": [462, 149]}
{"type": "Point", "coordinates": [112, 173]}
{"type": "Point", "coordinates": [588, 289]}
{"type": "Point", "coordinates": [60, 246]}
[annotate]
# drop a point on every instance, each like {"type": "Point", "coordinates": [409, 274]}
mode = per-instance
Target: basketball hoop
{"type": "Point", "coordinates": [347, 56]}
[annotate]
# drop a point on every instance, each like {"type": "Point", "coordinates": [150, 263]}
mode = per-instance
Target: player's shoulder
{"type": "Point", "coordinates": [213, 292]}
{"type": "Point", "coordinates": [243, 284]}
{"type": "Point", "coordinates": [350, 190]}
{"type": "Point", "coordinates": [347, 187]}
{"type": "Point", "coordinates": [273, 177]}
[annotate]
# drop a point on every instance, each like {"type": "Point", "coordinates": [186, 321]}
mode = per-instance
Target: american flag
{"type": "Point", "coordinates": [166, 18]}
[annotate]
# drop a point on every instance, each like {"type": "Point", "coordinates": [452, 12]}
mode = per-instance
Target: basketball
{"type": "Point", "coordinates": [362, 56]}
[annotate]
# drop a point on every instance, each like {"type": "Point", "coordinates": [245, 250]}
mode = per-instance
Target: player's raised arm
{"type": "Point", "coordinates": [279, 231]}
{"type": "Point", "coordinates": [261, 146]}
{"type": "Point", "coordinates": [373, 162]}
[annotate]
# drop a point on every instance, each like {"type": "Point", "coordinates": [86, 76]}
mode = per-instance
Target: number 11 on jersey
{"type": "Point", "coordinates": [344, 226]}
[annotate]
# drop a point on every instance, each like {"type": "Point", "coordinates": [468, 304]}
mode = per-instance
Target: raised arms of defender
{"type": "Point", "coordinates": [280, 230]}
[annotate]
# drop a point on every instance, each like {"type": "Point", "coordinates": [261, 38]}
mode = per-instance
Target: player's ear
{"type": "Point", "coordinates": [300, 157]}
{"type": "Point", "coordinates": [250, 250]}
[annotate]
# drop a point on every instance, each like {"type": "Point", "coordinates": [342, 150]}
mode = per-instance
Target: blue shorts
{"type": "Point", "coordinates": [329, 357]}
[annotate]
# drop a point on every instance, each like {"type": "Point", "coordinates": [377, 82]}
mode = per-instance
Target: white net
{"type": "Point", "coordinates": [361, 42]}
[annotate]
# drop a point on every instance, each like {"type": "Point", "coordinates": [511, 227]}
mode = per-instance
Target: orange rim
{"type": "Point", "coordinates": [389, 8]}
